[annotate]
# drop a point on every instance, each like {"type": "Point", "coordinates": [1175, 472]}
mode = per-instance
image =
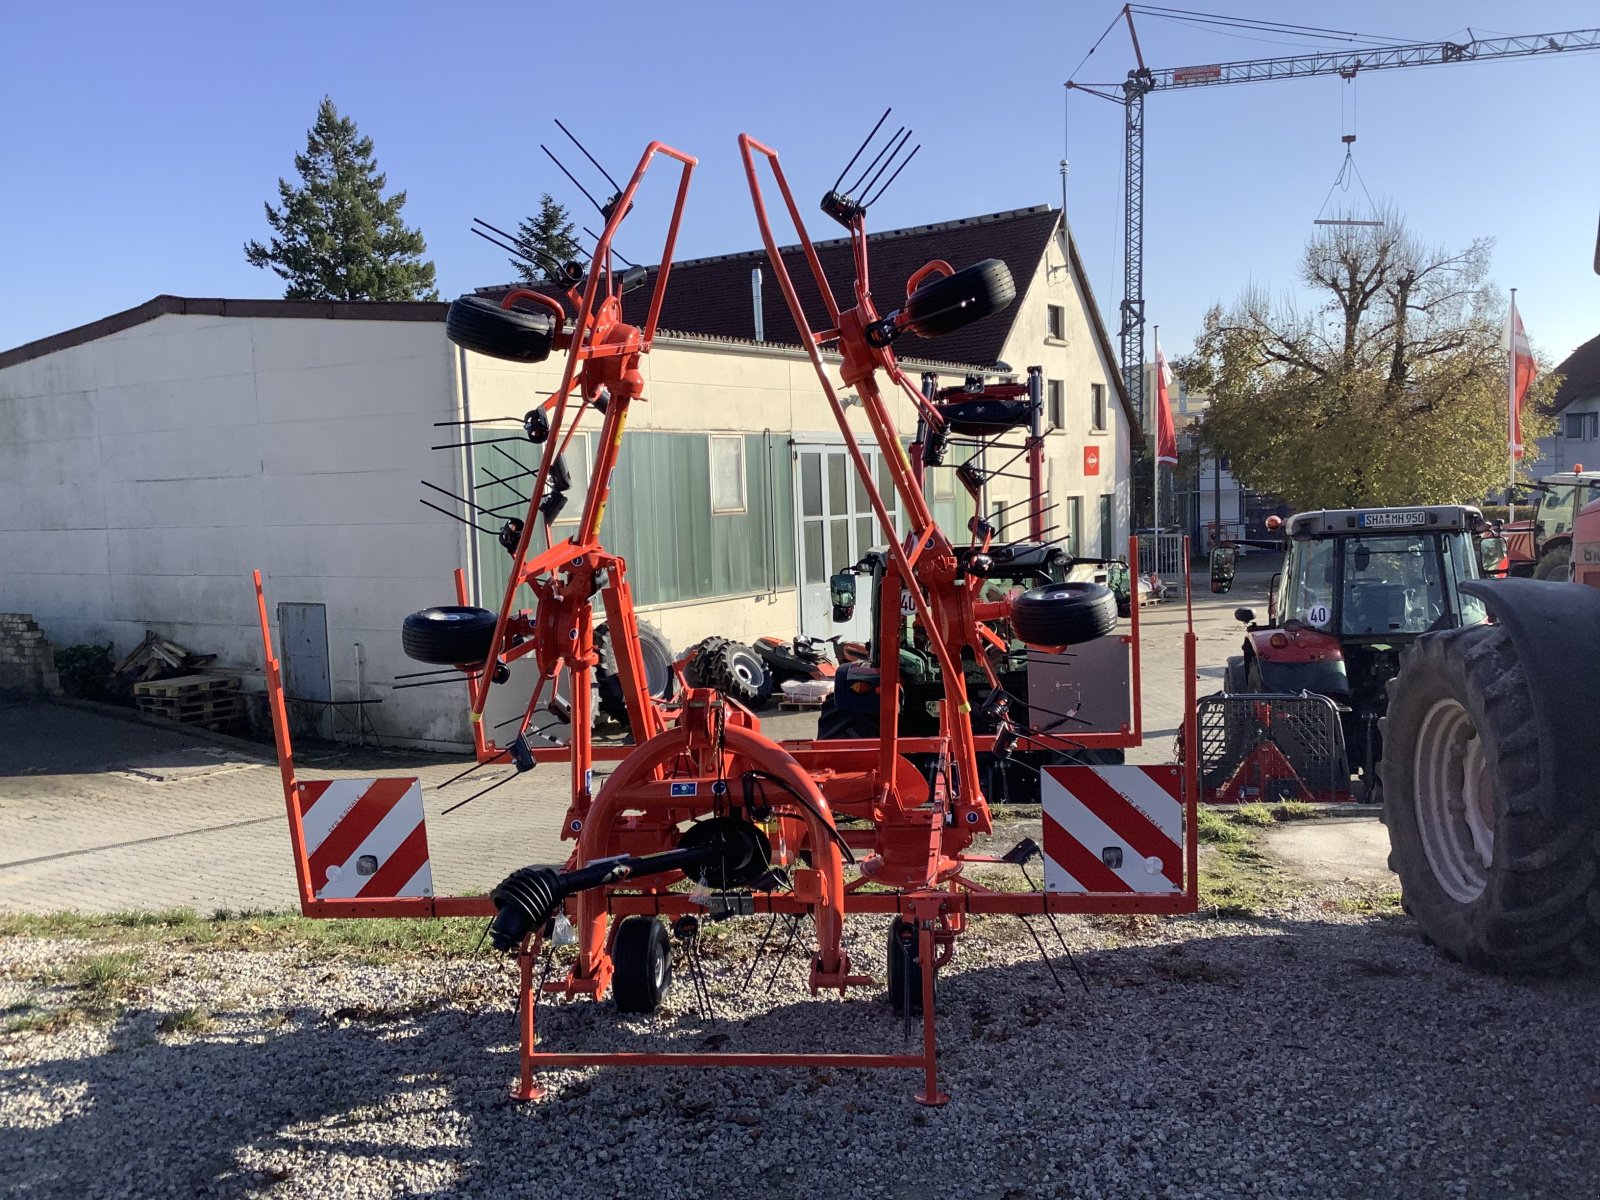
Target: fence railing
{"type": "Point", "coordinates": [1161, 553]}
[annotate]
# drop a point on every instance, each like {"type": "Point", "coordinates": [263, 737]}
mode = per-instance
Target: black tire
{"type": "Point", "coordinates": [449, 635]}
{"type": "Point", "coordinates": [478, 324]}
{"type": "Point", "coordinates": [1553, 563]}
{"type": "Point", "coordinates": [698, 669]}
{"type": "Point", "coordinates": [904, 974]}
{"type": "Point", "coordinates": [986, 417]}
{"type": "Point", "coordinates": [1064, 614]}
{"type": "Point", "coordinates": [738, 672]}
{"type": "Point", "coordinates": [658, 660]}
{"type": "Point", "coordinates": [944, 305]}
{"type": "Point", "coordinates": [642, 961]}
{"type": "Point", "coordinates": [1524, 911]}
{"type": "Point", "coordinates": [835, 725]}
{"type": "Point", "coordinates": [1233, 676]}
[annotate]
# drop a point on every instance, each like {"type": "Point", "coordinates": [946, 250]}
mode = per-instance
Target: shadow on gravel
{"type": "Point", "coordinates": [1263, 1058]}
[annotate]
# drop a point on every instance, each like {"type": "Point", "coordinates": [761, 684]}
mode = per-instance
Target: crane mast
{"type": "Point", "coordinates": [1142, 81]}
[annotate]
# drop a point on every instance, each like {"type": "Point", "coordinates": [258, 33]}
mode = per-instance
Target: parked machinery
{"type": "Point", "coordinates": [1541, 546]}
{"type": "Point", "coordinates": [1357, 589]}
{"type": "Point", "coordinates": [704, 797]}
{"type": "Point", "coordinates": [1490, 795]}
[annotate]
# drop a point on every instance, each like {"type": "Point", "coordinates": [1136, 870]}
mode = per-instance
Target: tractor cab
{"type": "Point", "coordinates": [1358, 587]}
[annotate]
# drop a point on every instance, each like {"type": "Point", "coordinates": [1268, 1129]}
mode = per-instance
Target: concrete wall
{"type": "Point", "coordinates": [144, 474]}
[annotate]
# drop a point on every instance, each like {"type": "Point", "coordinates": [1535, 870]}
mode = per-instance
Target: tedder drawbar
{"type": "Point", "coordinates": [705, 817]}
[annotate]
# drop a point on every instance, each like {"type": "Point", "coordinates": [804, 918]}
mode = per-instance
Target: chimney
{"type": "Point", "coordinates": [755, 300]}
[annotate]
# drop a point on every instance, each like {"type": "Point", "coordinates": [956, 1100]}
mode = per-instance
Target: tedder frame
{"type": "Point", "coordinates": [703, 795]}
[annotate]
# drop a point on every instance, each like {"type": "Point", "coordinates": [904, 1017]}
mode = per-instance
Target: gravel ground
{"type": "Point", "coordinates": [1307, 1052]}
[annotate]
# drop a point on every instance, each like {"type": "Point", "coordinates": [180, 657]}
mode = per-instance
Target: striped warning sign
{"type": "Point", "coordinates": [1113, 829]}
{"type": "Point", "coordinates": [365, 838]}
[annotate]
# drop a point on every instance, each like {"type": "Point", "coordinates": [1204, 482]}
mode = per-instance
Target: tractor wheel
{"type": "Point", "coordinates": [698, 670]}
{"type": "Point", "coordinates": [449, 635]}
{"type": "Point", "coordinates": [1553, 565]}
{"type": "Point", "coordinates": [1233, 676]}
{"type": "Point", "coordinates": [658, 659]}
{"type": "Point", "coordinates": [642, 958]}
{"type": "Point", "coordinates": [834, 725]}
{"type": "Point", "coordinates": [904, 973]}
{"type": "Point", "coordinates": [972, 293]}
{"type": "Point", "coordinates": [737, 671]}
{"type": "Point", "coordinates": [479, 324]}
{"type": "Point", "coordinates": [1064, 614]}
{"type": "Point", "coordinates": [1490, 881]}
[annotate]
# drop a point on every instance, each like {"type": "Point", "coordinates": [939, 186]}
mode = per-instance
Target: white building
{"type": "Point", "coordinates": [151, 460]}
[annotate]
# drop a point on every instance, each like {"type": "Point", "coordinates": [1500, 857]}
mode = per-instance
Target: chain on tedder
{"type": "Point", "coordinates": [704, 816]}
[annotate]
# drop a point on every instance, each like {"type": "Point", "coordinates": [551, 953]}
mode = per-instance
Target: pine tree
{"type": "Point", "coordinates": [335, 236]}
{"type": "Point", "coordinates": [549, 239]}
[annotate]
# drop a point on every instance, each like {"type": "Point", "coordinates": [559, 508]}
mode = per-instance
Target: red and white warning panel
{"type": "Point", "coordinates": [364, 838]}
{"type": "Point", "coordinates": [1113, 829]}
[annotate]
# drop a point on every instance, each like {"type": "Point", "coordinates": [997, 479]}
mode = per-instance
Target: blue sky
{"type": "Point", "coordinates": [141, 140]}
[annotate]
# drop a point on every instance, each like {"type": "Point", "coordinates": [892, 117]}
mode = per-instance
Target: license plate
{"type": "Point", "coordinates": [1392, 520]}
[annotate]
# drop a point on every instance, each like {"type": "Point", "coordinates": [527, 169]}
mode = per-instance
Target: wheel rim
{"type": "Point", "coordinates": [456, 615]}
{"type": "Point", "coordinates": [659, 970]}
{"type": "Point", "coordinates": [751, 672]}
{"type": "Point", "coordinates": [1454, 799]}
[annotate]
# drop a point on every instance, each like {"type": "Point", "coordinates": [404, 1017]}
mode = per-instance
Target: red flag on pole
{"type": "Point", "coordinates": [1166, 435]}
{"type": "Point", "coordinates": [1523, 371]}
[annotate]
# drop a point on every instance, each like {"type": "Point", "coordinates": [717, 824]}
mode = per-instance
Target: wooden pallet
{"type": "Point", "coordinates": [185, 687]}
{"type": "Point", "coordinates": [211, 710]}
{"type": "Point", "coordinates": [797, 703]}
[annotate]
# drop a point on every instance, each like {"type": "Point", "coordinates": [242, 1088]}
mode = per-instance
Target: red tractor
{"type": "Point", "coordinates": [1357, 589]}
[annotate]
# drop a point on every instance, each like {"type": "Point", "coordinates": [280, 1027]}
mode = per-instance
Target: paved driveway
{"type": "Point", "coordinates": [102, 814]}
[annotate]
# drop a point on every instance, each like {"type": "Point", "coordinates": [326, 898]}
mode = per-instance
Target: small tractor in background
{"type": "Point", "coordinates": [1303, 703]}
{"type": "Point", "coordinates": [1541, 546]}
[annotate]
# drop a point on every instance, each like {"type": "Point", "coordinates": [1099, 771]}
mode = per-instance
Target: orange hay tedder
{"type": "Point", "coordinates": [703, 797]}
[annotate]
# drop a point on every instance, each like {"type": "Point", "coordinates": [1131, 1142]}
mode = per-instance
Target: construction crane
{"type": "Point", "coordinates": [1346, 63]}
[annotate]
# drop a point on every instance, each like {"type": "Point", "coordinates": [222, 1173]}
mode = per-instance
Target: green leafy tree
{"type": "Point", "coordinates": [1389, 388]}
{"type": "Point", "coordinates": [549, 239]}
{"type": "Point", "coordinates": [335, 236]}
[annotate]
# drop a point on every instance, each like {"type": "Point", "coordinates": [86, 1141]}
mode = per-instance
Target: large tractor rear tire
{"type": "Point", "coordinates": [1553, 565]}
{"type": "Point", "coordinates": [1484, 873]}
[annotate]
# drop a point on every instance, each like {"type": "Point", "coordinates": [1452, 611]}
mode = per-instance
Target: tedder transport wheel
{"type": "Point", "coordinates": [1486, 876]}
{"type": "Point", "coordinates": [972, 293]}
{"type": "Point", "coordinates": [736, 671]}
{"type": "Point", "coordinates": [448, 635]}
{"type": "Point", "coordinates": [1554, 564]}
{"type": "Point", "coordinates": [658, 660]}
{"type": "Point", "coordinates": [479, 324]}
{"type": "Point", "coordinates": [1064, 614]}
{"type": "Point", "coordinates": [905, 969]}
{"type": "Point", "coordinates": [642, 960]}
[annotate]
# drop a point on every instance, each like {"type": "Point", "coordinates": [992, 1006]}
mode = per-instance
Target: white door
{"type": "Point", "coordinates": [837, 527]}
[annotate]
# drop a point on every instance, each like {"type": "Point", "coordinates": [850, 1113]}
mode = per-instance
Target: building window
{"type": "Point", "coordinates": [1583, 427]}
{"type": "Point", "coordinates": [1097, 404]}
{"type": "Point", "coordinates": [1108, 531]}
{"type": "Point", "coordinates": [727, 475]}
{"type": "Point", "coordinates": [1056, 393]}
{"type": "Point", "coordinates": [1074, 517]}
{"type": "Point", "coordinates": [1056, 322]}
{"type": "Point", "coordinates": [578, 460]}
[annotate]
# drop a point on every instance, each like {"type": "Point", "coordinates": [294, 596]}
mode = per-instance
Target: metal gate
{"type": "Point", "coordinates": [1161, 553]}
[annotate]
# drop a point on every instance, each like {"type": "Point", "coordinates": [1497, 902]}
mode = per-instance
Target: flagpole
{"type": "Point", "coordinates": [1155, 487]}
{"type": "Point", "coordinates": [1511, 409]}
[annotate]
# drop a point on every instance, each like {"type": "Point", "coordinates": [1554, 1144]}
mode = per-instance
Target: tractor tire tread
{"type": "Point", "coordinates": [1537, 913]}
